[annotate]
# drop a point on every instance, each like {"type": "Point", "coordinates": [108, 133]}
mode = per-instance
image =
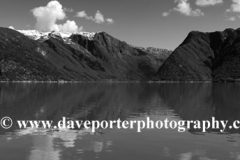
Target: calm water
{"type": "Point", "coordinates": [128, 101]}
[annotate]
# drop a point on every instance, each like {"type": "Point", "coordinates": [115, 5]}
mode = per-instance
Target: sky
{"type": "Point", "coordinates": [146, 23]}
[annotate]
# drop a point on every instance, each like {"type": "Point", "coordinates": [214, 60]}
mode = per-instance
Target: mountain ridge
{"type": "Point", "coordinates": [204, 56]}
{"type": "Point", "coordinates": [75, 57]}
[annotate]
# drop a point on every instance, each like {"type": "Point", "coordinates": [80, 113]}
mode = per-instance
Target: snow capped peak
{"type": "Point", "coordinates": [29, 32]}
{"type": "Point", "coordinates": [36, 35]}
{"type": "Point", "coordinates": [33, 34]}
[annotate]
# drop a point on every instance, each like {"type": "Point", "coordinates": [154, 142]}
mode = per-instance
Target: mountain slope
{"type": "Point", "coordinates": [24, 59]}
{"type": "Point", "coordinates": [202, 56]}
{"type": "Point", "coordinates": [73, 57]}
{"type": "Point", "coordinates": [119, 58]}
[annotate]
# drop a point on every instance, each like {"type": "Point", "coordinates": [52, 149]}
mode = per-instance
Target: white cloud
{"type": "Point", "coordinates": [47, 16]}
{"type": "Point", "coordinates": [204, 3]}
{"type": "Point", "coordinates": [98, 18]}
{"type": "Point", "coordinates": [11, 27]}
{"type": "Point", "coordinates": [165, 14]}
{"type": "Point", "coordinates": [110, 20]}
{"type": "Point", "coordinates": [235, 7]}
{"type": "Point", "coordinates": [69, 26]}
{"type": "Point", "coordinates": [184, 8]}
{"type": "Point", "coordinates": [82, 14]}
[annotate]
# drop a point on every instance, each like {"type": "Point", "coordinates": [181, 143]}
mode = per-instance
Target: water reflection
{"type": "Point", "coordinates": [43, 149]}
{"type": "Point", "coordinates": [111, 101]}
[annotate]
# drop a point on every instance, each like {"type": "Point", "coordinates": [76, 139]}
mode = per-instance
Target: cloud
{"type": "Point", "coordinates": [235, 7]}
{"type": "Point", "coordinates": [82, 14]}
{"type": "Point", "coordinates": [11, 27]}
{"type": "Point", "coordinates": [204, 3]}
{"type": "Point", "coordinates": [48, 15]}
{"type": "Point", "coordinates": [98, 18]}
{"type": "Point", "coordinates": [110, 20]}
{"type": "Point", "coordinates": [165, 14]}
{"type": "Point", "coordinates": [69, 26]}
{"type": "Point", "coordinates": [184, 8]}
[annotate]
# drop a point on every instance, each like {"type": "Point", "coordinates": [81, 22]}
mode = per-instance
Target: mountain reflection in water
{"type": "Point", "coordinates": [127, 101]}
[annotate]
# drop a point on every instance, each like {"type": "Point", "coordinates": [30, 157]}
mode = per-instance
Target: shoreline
{"type": "Point", "coordinates": [75, 82]}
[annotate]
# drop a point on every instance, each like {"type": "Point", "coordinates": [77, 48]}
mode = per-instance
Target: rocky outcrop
{"type": "Point", "coordinates": [95, 57]}
{"type": "Point", "coordinates": [204, 57]}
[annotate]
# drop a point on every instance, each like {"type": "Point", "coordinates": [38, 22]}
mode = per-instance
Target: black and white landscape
{"type": "Point", "coordinates": [132, 60]}
{"type": "Point", "coordinates": [55, 56]}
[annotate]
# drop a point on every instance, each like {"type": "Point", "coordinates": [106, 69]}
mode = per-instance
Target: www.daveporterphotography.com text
{"type": "Point", "coordinates": [180, 125]}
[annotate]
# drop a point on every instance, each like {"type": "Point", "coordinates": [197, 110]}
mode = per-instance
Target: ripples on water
{"type": "Point", "coordinates": [111, 101]}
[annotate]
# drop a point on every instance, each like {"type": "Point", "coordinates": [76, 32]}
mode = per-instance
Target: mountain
{"type": "Point", "coordinates": [213, 56]}
{"type": "Point", "coordinates": [85, 56]}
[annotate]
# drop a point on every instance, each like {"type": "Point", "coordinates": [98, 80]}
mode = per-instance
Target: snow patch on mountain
{"type": "Point", "coordinates": [89, 35]}
{"type": "Point", "coordinates": [36, 35]}
{"type": "Point", "coordinates": [33, 34]}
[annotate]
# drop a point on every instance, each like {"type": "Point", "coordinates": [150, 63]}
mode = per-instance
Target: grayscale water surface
{"type": "Point", "coordinates": [111, 101]}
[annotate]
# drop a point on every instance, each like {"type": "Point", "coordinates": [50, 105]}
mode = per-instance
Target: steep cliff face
{"type": "Point", "coordinates": [204, 57]}
{"type": "Point", "coordinates": [79, 57]}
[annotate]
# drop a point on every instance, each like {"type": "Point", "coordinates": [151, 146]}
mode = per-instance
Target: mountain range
{"type": "Point", "coordinates": [85, 56]}
{"type": "Point", "coordinates": [29, 55]}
